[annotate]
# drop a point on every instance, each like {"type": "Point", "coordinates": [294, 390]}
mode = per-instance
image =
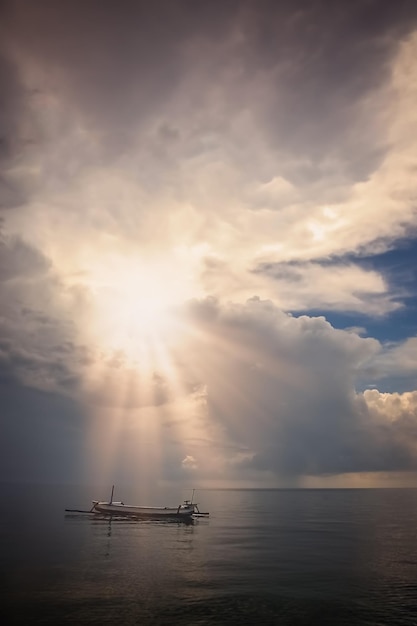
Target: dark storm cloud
{"type": "Point", "coordinates": [36, 344]}
{"type": "Point", "coordinates": [41, 436]}
{"type": "Point", "coordinates": [10, 104]}
{"type": "Point", "coordinates": [333, 54]}
{"type": "Point", "coordinates": [118, 63]}
{"type": "Point", "coordinates": [259, 357]}
{"type": "Point", "coordinates": [124, 65]}
{"type": "Point", "coordinates": [17, 259]}
{"type": "Point", "coordinates": [12, 143]}
{"type": "Point", "coordinates": [41, 426]}
{"type": "Point", "coordinates": [327, 436]}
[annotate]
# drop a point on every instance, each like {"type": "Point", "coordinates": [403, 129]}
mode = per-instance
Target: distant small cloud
{"type": "Point", "coordinates": [189, 463]}
{"type": "Point", "coordinates": [356, 330]}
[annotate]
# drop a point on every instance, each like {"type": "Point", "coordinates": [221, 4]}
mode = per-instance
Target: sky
{"type": "Point", "coordinates": [208, 242]}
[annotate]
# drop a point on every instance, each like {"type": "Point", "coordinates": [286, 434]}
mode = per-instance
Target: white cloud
{"type": "Point", "coordinates": [214, 195]}
{"type": "Point", "coordinates": [393, 407]}
{"type": "Point", "coordinates": [189, 463]}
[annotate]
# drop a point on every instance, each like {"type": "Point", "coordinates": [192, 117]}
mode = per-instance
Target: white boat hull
{"type": "Point", "coordinates": [183, 511]}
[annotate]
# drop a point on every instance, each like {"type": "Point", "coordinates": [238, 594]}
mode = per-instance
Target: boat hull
{"type": "Point", "coordinates": [127, 510]}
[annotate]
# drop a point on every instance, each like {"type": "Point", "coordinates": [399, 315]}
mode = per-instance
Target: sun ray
{"type": "Point", "coordinates": [136, 327]}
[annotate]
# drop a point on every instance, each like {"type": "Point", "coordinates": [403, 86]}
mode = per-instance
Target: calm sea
{"type": "Point", "coordinates": [264, 557]}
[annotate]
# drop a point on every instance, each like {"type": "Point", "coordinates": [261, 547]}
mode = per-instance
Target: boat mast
{"type": "Point", "coordinates": [111, 497]}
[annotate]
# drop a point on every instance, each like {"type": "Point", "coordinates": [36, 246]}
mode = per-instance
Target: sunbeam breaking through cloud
{"type": "Point", "coordinates": [208, 242]}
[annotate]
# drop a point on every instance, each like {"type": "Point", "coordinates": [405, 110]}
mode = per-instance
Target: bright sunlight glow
{"type": "Point", "coordinates": [136, 303]}
{"type": "Point", "coordinates": [136, 327]}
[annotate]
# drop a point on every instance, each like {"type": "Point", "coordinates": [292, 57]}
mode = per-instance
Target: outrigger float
{"type": "Point", "coordinates": [185, 511]}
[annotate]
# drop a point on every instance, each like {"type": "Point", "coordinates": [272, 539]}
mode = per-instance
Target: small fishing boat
{"type": "Point", "coordinates": [183, 511]}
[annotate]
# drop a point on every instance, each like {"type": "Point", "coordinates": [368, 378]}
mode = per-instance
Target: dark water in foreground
{"type": "Point", "coordinates": [264, 557]}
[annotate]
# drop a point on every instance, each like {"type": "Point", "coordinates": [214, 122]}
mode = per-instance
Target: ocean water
{"type": "Point", "coordinates": [293, 557]}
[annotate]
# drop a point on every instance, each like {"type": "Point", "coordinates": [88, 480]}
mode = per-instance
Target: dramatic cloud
{"type": "Point", "coordinates": [283, 389]}
{"type": "Point", "coordinates": [188, 193]}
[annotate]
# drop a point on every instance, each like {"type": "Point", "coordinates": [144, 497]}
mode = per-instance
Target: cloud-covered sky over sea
{"type": "Point", "coordinates": [208, 242]}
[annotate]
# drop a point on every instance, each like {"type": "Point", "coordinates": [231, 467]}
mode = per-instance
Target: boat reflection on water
{"type": "Point", "coordinates": [152, 519]}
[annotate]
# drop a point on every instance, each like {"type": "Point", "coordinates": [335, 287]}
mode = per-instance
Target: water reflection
{"type": "Point", "coordinates": [329, 557]}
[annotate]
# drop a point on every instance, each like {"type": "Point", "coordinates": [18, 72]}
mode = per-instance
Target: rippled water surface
{"type": "Point", "coordinates": [268, 557]}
